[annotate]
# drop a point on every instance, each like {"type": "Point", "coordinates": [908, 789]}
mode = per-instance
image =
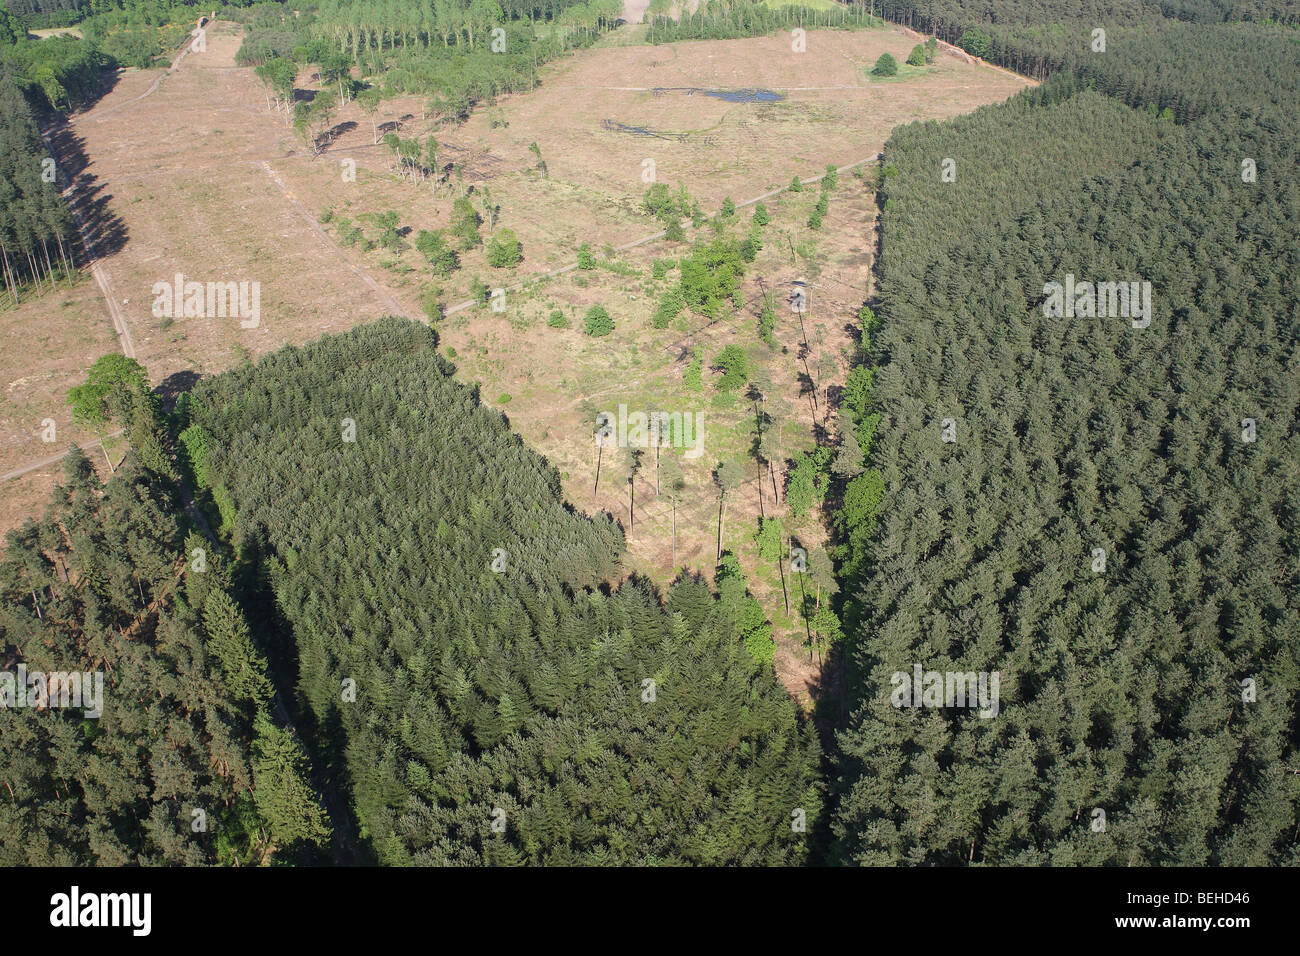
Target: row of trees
{"type": "Point", "coordinates": [453, 53]}
{"type": "Point", "coordinates": [36, 228]}
{"type": "Point", "coordinates": [362, 25]}
{"type": "Point", "coordinates": [721, 20]}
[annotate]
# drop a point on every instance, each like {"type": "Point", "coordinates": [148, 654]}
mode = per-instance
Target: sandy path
{"type": "Point", "coordinates": [634, 10]}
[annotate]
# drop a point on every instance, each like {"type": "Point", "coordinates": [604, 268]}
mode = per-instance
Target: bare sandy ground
{"type": "Point", "coordinates": [634, 10]}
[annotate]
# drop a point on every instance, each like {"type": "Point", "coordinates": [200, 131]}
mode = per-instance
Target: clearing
{"type": "Point", "coordinates": [199, 177]}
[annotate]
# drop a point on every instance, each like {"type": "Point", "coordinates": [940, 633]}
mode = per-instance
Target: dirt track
{"type": "Point", "coordinates": [634, 10]}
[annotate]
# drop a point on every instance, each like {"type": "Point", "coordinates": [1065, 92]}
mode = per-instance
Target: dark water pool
{"type": "Point", "coordinates": [745, 96]}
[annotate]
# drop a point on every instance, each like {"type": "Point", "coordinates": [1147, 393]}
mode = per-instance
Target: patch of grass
{"type": "Point", "coordinates": [905, 73]}
{"type": "Point", "coordinates": [619, 268]}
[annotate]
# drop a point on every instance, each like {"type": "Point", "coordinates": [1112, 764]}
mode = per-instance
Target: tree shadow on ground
{"type": "Point", "coordinates": [103, 233]}
{"type": "Point", "coordinates": [176, 385]}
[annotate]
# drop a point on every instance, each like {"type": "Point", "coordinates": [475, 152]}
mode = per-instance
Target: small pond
{"type": "Point", "coordinates": [745, 96]}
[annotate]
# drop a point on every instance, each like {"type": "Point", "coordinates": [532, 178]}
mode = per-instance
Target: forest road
{"type": "Point", "coordinates": [55, 459]}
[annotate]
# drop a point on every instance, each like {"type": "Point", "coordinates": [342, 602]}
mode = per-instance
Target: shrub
{"type": "Point", "coordinates": [917, 56]}
{"type": "Point", "coordinates": [557, 320]}
{"type": "Point", "coordinates": [694, 378]}
{"type": "Point", "coordinates": [770, 539]}
{"type": "Point", "coordinates": [598, 321]}
{"type": "Point", "coordinates": [465, 223]}
{"type": "Point", "coordinates": [585, 259]}
{"type": "Point", "coordinates": [761, 218]}
{"type": "Point", "coordinates": [867, 323]}
{"type": "Point", "coordinates": [735, 368]}
{"type": "Point", "coordinates": [388, 223]}
{"type": "Point", "coordinates": [766, 323]}
{"type": "Point", "coordinates": [503, 250]}
{"type": "Point", "coordinates": [975, 43]}
{"type": "Point", "coordinates": [670, 306]}
{"type": "Point", "coordinates": [349, 234]}
{"type": "Point", "coordinates": [885, 66]}
{"type": "Point", "coordinates": [433, 246]}
{"type": "Point", "coordinates": [432, 304]}
{"type": "Point", "coordinates": [660, 203]}
{"type": "Point", "coordinates": [807, 482]}
{"type": "Point", "coordinates": [712, 274]}
{"type": "Point", "coordinates": [478, 290]}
